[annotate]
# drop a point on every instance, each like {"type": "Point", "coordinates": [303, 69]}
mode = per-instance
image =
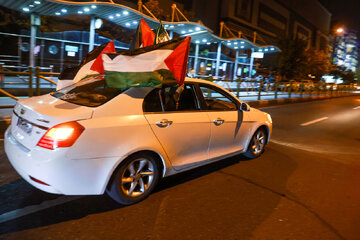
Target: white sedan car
{"type": "Point", "coordinates": [87, 138]}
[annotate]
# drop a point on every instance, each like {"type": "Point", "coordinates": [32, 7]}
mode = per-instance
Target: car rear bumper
{"type": "Point", "coordinates": [63, 175]}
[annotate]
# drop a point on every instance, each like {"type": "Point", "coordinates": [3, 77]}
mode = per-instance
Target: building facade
{"type": "Point", "coordinates": [345, 50]}
{"type": "Point", "coordinates": [270, 19]}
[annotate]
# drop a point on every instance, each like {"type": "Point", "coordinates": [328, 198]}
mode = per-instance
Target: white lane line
{"type": "Point", "coordinates": [35, 208]}
{"type": "Point", "coordinates": [313, 121]}
{"type": "Point", "coordinates": [310, 148]}
{"type": "Point", "coordinates": [358, 107]}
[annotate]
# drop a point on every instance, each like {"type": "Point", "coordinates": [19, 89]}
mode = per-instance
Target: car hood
{"type": "Point", "coordinates": [258, 115]}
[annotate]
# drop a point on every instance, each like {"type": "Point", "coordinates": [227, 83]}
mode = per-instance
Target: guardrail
{"type": "Point", "coordinates": [30, 74]}
{"type": "Point", "coordinates": [261, 89]}
{"type": "Point", "coordinates": [243, 89]}
{"type": "Point", "coordinates": [41, 75]}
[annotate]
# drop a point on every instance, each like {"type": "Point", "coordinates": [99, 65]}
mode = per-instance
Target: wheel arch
{"type": "Point", "coordinates": [156, 155]}
{"type": "Point", "coordinates": [263, 126]}
{"type": "Point", "coordinates": [267, 131]}
{"type": "Point", "coordinates": [260, 126]}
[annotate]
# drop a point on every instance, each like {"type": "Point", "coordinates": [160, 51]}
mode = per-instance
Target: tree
{"type": "Point", "coordinates": [336, 71]}
{"type": "Point", "coordinates": [153, 6]}
{"type": "Point", "coordinates": [12, 21]}
{"type": "Point", "coordinates": [317, 63]}
{"type": "Point", "coordinates": [340, 72]}
{"type": "Point", "coordinates": [348, 77]}
{"type": "Point", "coordinates": [292, 59]}
{"type": "Point", "coordinates": [358, 75]}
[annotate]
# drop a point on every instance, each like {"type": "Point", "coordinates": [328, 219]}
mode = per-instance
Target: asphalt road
{"type": "Point", "coordinates": [305, 186]}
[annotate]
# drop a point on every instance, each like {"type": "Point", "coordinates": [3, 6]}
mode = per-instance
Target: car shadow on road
{"type": "Point", "coordinates": [19, 194]}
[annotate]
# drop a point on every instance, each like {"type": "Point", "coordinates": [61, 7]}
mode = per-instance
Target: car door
{"type": "Point", "coordinates": [229, 125]}
{"type": "Point", "coordinates": [182, 129]}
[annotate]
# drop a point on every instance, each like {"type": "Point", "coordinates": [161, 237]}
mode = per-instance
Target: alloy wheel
{"type": "Point", "coordinates": [258, 143]}
{"type": "Point", "coordinates": [137, 177]}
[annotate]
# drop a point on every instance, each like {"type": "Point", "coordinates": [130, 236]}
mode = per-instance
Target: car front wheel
{"type": "Point", "coordinates": [134, 179]}
{"type": "Point", "coordinates": [257, 144]}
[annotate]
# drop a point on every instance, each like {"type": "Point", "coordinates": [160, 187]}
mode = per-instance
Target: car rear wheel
{"type": "Point", "coordinates": [257, 144]}
{"type": "Point", "coordinates": [134, 179]}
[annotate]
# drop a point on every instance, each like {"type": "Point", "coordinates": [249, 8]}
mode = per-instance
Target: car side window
{"type": "Point", "coordinates": [171, 99]}
{"type": "Point", "coordinates": [152, 102]}
{"type": "Point", "coordinates": [216, 100]}
{"type": "Point", "coordinates": [179, 99]}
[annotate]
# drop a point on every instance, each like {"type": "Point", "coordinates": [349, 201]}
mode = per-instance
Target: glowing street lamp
{"type": "Point", "coordinates": [339, 30]}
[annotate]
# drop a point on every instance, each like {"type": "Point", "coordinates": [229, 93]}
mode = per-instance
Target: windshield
{"type": "Point", "coordinates": [91, 92]}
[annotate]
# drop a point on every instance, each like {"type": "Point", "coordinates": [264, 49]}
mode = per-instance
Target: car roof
{"type": "Point", "coordinates": [195, 80]}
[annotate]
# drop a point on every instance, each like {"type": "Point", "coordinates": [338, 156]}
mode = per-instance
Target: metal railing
{"type": "Point", "coordinates": [260, 89]}
{"type": "Point", "coordinates": [248, 90]}
{"type": "Point", "coordinates": [30, 75]}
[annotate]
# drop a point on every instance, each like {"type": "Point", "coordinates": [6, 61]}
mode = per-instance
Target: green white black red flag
{"type": "Point", "coordinates": [152, 66]}
{"type": "Point", "coordinates": [161, 34]}
{"type": "Point", "coordinates": [144, 36]}
{"type": "Point", "coordinates": [91, 64]}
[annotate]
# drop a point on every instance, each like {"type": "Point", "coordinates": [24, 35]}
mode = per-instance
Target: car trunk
{"type": "Point", "coordinates": [34, 116]}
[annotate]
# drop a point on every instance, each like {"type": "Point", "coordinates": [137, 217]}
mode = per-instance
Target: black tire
{"type": "Point", "coordinates": [257, 144]}
{"type": "Point", "coordinates": [131, 186]}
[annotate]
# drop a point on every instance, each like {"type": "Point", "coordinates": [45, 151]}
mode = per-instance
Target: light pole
{"type": "Point", "coordinates": [35, 23]}
{"type": "Point", "coordinates": [94, 24]}
{"type": "Point", "coordinates": [218, 57]}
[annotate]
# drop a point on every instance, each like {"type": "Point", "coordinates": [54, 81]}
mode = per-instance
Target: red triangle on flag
{"type": "Point", "coordinates": [98, 63]}
{"type": "Point", "coordinates": [147, 35]}
{"type": "Point", "coordinates": [177, 61]}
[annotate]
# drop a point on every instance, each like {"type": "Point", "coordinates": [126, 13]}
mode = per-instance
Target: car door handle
{"type": "Point", "coordinates": [219, 121]}
{"type": "Point", "coordinates": [164, 123]}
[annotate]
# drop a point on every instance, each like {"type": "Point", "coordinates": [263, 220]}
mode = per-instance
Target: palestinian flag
{"type": "Point", "coordinates": [144, 36]}
{"type": "Point", "coordinates": [153, 66]}
{"type": "Point", "coordinates": [98, 66]}
{"type": "Point", "coordinates": [66, 77]}
{"type": "Point", "coordinates": [161, 34]}
{"type": "Point", "coordinates": [92, 63]}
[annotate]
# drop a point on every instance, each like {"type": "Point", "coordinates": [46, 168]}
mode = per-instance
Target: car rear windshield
{"type": "Point", "coordinates": [91, 92]}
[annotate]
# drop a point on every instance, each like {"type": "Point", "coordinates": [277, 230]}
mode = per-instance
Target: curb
{"type": "Point", "coordinates": [267, 103]}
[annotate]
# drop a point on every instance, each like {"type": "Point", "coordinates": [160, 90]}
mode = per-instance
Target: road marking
{"type": "Point", "coordinates": [317, 148]}
{"type": "Point", "coordinates": [358, 107]}
{"type": "Point", "coordinates": [35, 208]}
{"type": "Point", "coordinates": [313, 121]}
{"type": "Point", "coordinates": [303, 147]}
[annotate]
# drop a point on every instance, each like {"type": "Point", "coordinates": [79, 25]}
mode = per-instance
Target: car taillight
{"type": "Point", "coordinates": [62, 135]}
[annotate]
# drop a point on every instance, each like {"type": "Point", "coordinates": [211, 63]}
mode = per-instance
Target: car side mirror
{"type": "Point", "coordinates": [244, 107]}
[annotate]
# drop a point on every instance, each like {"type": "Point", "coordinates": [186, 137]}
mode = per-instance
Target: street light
{"type": "Point", "coordinates": [98, 23]}
{"type": "Point", "coordinates": [94, 24]}
{"type": "Point", "coordinates": [339, 30]}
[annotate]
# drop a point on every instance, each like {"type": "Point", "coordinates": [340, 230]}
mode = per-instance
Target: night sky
{"type": "Point", "coordinates": [345, 13]}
